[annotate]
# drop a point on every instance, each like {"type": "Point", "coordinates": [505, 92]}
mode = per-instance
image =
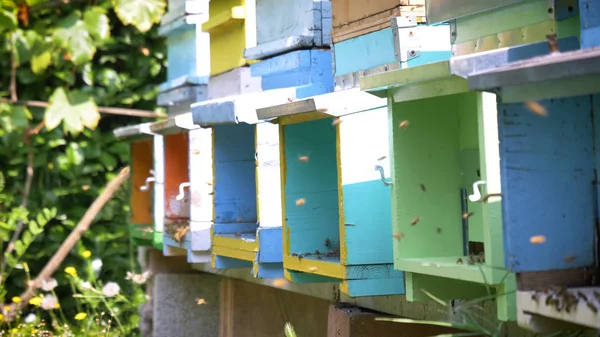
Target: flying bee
{"type": "Point", "coordinates": [592, 307]}
{"type": "Point", "coordinates": [201, 301]}
{"type": "Point", "coordinates": [459, 261]}
{"type": "Point", "coordinates": [414, 221]}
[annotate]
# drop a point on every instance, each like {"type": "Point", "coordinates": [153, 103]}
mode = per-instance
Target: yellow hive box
{"type": "Point", "coordinates": [232, 29]}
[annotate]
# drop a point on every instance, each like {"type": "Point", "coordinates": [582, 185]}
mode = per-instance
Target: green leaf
{"type": "Point", "coordinates": [74, 36]}
{"type": "Point", "coordinates": [142, 14]}
{"type": "Point", "coordinates": [8, 19]}
{"type": "Point", "coordinates": [40, 62]}
{"type": "Point", "coordinates": [108, 160]}
{"type": "Point", "coordinates": [76, 109]}
{"type": "Point", "coordinates": [97, 23]}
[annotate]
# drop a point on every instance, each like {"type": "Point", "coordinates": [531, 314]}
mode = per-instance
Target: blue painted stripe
{"type": "Point", "coordinates": [368, 214]}
{"type": "Point", "coordinates": [235, 173]}
{"type": "Point", "coordinates": [364, 52]}
{"type": "Point", "coordinates": [589, 13]}
{"type": "Point", "coordinates": [270, 270]}
{"type": "Point", "coordinates": [376, 287]}
{"type": "Point", "coordinates": [547, 172]}
{"type": "Point", "coordinates": [222, 262]}
{"type": "Point", "coordinates": [309, 69]}
{"type": "Point", "coordinates": [232, 228]}
{"type": "Point", "coordinates": [299, 277]}
{"type": "Point", "coordinates": [270, 245]}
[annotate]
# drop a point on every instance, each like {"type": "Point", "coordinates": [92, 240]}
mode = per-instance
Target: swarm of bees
{"type": "Point", "coordinates": [473, 259]}
{"type": "Point", "coordinates": [317, 253]}
{"type": "Point", "coordinates": [177, 230]}
{"type": "Point", "coordinates": [561, 298]}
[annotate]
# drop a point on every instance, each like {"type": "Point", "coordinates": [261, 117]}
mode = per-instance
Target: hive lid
{"type": "Point", "coordinates": [333, 104]}
{"type": "Point", "coordinates": [239, 108]}
{"type": "Point", "coordinates": [561, 74]}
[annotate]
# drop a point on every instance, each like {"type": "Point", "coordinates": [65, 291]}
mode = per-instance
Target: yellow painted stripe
{"type": "Point", "coordinates": [342, 217]}
{"type": "Point", "coordinates": [344, 287]}
{"type": "Point", "coordinates": [256, 176]}
{"type": "Point", "coordinates": [317, 267]}
{"type": "Point", "coordinates": [223, 18]}
{"type": "Point", "coordinates": [234, 253]}
{"type": "Point", "coordinates": [287, 275]}
{"type": "Point", "coordinates": [285, 234]}
{"type": "Point", "coordinates": [213, 261]}
{"type": "Point", "coordinates": [235, 243]}
{"type": "Point", "coordinates": [214, 176]}
{"type": "Point", "coordinates": [303, 117]}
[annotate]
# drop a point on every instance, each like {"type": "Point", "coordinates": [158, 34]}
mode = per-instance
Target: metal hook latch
{"type": "Point", "coordinates": [181, 194]}
{"type": "Point", "coordinates": [382, 173]}
{"type": "Point", "coordinates": [147, 182]}
{"type": "Point", "coordinates": [476, 196]}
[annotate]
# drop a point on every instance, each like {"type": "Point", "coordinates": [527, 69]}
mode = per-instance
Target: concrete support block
{"type": "Point", "coordinates": [176, 311]}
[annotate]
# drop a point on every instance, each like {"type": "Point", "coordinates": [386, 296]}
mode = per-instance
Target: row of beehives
{"type": "Point", "coordinates": [265, 167]}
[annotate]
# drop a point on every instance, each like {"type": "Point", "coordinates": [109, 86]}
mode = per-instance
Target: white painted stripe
{"type": "Point", "coordinates": [159, 183]}
{"type": "Point", "coordinates": [201, 174]}
{"type": "Point", "coordinates": [268, 175]}
{"type": "Point", "coordinates": [363, 141]}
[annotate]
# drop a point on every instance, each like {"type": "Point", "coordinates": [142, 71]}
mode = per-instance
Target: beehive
{"type": "Point", "coordinates": [446, 209]}
{"type": "Point", "coordinates": [241, 220]}
{"type": "Point", "coordinates": [548, 137]}
{"type": "Point", "coordinates": [486, 25]}
{"type": "Point", "coordinates": [173, 152]}
{"type": "Point", "coordinates": [232, 28]}
{"type": "Point", "coordinates": [141, 223]}
{"type": "Point", "coordinates": [404, 44]}
{"type": "Point", "coordinates": [187, 54]}
{"type": "Point", "coordinates": [286, 25]}
{"type": "Point", "coordinates": [352, 18]}
{"type": "Point", "coordinates": [336, 207]}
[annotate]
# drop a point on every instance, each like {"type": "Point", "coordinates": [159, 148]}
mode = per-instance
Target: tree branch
{"type": "Point", "coordinates": [68, 244]}
{"type": "Point", "coordinates": [101, 109]}
{"type": "Point", "coordinates": [13, 70]}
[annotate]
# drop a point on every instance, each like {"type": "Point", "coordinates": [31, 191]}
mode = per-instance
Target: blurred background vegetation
{"type": "Point", "coordinates": [78, 56]}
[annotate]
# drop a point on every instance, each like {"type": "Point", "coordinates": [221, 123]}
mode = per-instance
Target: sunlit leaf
{"type": "Point", "coordinates": [8, 19]}
{"type": "Point", "coordinates": [40, 62]}
{"type": "Point", "coordinates": [142, 14]}
{"type": "Point", "coordinates": [75, 38]}
{"type": "Point", "coordinates": [76, 109]}
{"type": "Point", "coordinates": [97, 23]}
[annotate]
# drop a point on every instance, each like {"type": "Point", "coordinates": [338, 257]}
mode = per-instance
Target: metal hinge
{"type": "Point", "coordinates": [407, 44]}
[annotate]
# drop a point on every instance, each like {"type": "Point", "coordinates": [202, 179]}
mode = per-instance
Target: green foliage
{"type": "Point", "coordinates": [76, 56]}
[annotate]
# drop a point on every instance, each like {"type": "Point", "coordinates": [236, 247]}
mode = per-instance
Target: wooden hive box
{"type": "Point", "coordinates": [352, 18]}
{"type": "Point", "coordinates": [232, 29]}
{"type": "Point", "coordinates": [403, 44]}
{"type": "Point", "coordinates": [172, 153]}
{"type": "Point", "coordinates": [478, 26]}
{"type": "Point", "coordinates": [549, 149]}
{"type": "Point", "coordinates": [286, 25]}
{"type": "Point", "coordinates": [446, 212]}
{"type": "Point", "coordinates": [187, 54]}
{"type": "Point", "coordinates": [336, 207]}
{"type": "Point", "coordinates": [141, 222]}
{"type": "Point", "coordinates": [240, 223]}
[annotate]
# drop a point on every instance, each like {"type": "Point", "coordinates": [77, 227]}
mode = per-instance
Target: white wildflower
{"type": "Point", "coordinates": [129, 276]}
{"type": "Point", "coordinates": [96, 265]}
{"type": "Point", "coordinates": [111, 289]}
{"type": "Point", "coordinates": [86, 285]}
{"type": "Point", "coordinates": [49, 284]}
{"type": "Point", "coordinates": [30, 318]}
{"type": "Point", "coordinates": [49, 302]}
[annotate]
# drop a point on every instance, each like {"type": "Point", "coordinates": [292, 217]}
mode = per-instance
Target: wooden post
{"type": "Point", "coordinates": [350, 321]}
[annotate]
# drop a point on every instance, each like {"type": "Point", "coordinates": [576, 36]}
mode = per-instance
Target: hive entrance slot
{"type": "Point", "coordinates": [311, 190]}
